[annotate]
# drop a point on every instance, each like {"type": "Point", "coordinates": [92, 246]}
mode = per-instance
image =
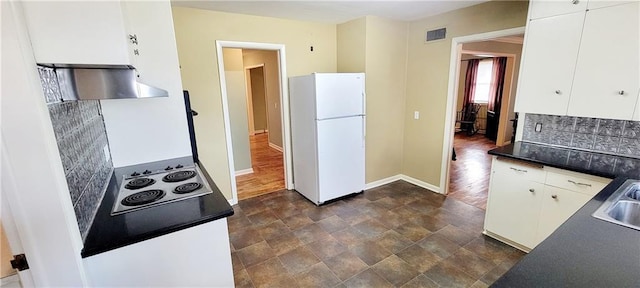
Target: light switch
{"type": "Point", "coordinates": [416, 115]}
{"type": "Point", "coordinates": [538, 127]}
{"type": "Point", "coordinates": [105, 150]}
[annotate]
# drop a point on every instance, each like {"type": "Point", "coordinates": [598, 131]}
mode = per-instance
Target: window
{"type": "Point", "coordinates": [483, 81]}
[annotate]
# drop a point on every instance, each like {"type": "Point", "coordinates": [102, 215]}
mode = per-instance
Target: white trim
{"type": "Point", "coordinates": [421, 183]}
{"type": "Point", "coordinates": [244, 172]}
{"type": "Point", "coordinates": [253, 66]}
{"type": "Point", "coordinates": [10, 280]}
{"type": "Point", "coordinates": [274, 146]}
{"type": "Point", "coordinates": [449, 125]}
{"type": "Point", "coordinates": [233, 201]}
{"type": "Point", "coordinates": [381, 182]}
{"type": "Point", "coordinates": [284, 103]}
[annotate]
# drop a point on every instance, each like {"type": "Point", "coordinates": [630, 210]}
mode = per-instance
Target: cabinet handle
{"type": "Point", "coordinates": [554, 196]}
{"type": "Point", "coordinates": [518, 170]}
{"type": "Point", "coordinates": [558, 92]}
{"type": "Point", "coordinates": [621, 92]}
{"type": "Point", "coordinates": [532, 190]}
{"type": "Point", "coordinates": [578, 183]}
{"type": "Point", "coordinates": [575, 2]}
{"type": "Point", "coordinates": [133, 38]}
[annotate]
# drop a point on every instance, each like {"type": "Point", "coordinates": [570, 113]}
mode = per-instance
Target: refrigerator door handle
{"type": "Point", "coordinates": [364, 130]}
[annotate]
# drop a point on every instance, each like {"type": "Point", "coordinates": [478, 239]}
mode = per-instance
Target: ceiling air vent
{"type": "Point", "coordinates": [437, 34]}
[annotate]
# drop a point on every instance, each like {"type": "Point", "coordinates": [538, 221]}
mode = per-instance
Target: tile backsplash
{"type": "Point", "coordinates": [617, 137]}
{"type": "Point", "coordinates": [83, 146]}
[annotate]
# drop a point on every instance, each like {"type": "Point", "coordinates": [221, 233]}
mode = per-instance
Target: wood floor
{"type": "Point", "coordinates": [469, 174]}
{"type": "Point", "coordinates": [268, 169]}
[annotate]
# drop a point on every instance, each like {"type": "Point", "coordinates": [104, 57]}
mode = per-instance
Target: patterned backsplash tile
{"type": "Point", "coordinates": [617, 137]}
{"type": "Point", "coordinates": [83, 146]}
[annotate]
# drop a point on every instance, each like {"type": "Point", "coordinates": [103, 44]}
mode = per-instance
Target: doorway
{"type": "Point", "coordinates": [258, 136]}
{"type": "Point", "coordinates": [482, 85]}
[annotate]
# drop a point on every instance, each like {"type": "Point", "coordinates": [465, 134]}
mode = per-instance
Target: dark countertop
{"type": "Point", "coordinates": [110, 232]}
{"type": "Point", "coordinates": [593, 163]}
{"type": "Point", "coordinates": [582, 252]}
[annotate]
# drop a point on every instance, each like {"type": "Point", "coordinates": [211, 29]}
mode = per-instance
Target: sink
{"type": "Point", "coordinates": [623, 206]}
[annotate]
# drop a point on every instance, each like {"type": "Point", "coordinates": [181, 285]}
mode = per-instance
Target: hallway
{"type": "Point", "coordinates": [268, 169]}
{"type": "Point", "coordinates": [470, 173]}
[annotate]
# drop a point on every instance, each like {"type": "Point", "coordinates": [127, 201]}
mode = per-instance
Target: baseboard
{"type": "Point", "coordinates": [381, 182]}
{"type": "Point", "coordinates": [274, 146]}
{"type": "Point", "coordinates": [233, 201]}
{"type": "Point", "coordinates": [420, 183]}
{"type": "Point", "coordinates": [244, 172]}
{"type": "Point", "coordinates": [10, 281]}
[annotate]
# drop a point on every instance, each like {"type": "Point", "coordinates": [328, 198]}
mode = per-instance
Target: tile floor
{"type": "Point", "coordinates": [396, 235]}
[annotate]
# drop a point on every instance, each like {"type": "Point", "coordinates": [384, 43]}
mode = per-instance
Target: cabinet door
{"type": "Point", "coordinates": [541, 9]}
{"type": "Point", "coordinates": [607, 70]}
{"type": "Point", "coordinates": [596, 4]}
{"type": "Point", "coordinates": [549, 57]}
{"type": "Point", "coordinates": [513, 208]}
{"type": "Point", "coordinates": [77, 32]}
{"type": "Point", "coordinates": [636, 115]}
{"type": "Point", "coordinates": [557, 206]}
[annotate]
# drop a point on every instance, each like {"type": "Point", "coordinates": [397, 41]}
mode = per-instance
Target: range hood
{"type": "Point", "coordinates": [98, 82]}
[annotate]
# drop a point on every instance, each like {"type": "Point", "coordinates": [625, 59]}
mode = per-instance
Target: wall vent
{"type": "Point", "coordinates": [436, 34]}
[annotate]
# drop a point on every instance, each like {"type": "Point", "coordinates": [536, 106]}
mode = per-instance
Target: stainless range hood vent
{"type": "Point", "coordinates": [99, 82]}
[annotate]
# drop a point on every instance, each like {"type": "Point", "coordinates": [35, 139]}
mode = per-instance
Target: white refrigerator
{"type": "Point", "coordinates": [328, 134]}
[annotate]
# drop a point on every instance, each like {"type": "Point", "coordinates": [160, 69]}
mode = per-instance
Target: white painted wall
{"type": "Point", "coordinates": [41, 209]}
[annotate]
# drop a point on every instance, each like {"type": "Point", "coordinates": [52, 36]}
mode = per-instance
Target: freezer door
{"type": "Point", "coordinates": [340, 157]}
{"type": "Point", "coordinates": [339, 95]}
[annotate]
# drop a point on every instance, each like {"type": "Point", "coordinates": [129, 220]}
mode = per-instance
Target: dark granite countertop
{"type": "Point", "coordinates": [603, 165]}
{"type": "Point", "coordinates": [582, 252]}
{"type": "Point", "coordinates": [110, 232]}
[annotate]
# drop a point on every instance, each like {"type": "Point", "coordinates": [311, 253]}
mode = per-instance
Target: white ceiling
{"type": "Point", "coordinates": [332, 11]}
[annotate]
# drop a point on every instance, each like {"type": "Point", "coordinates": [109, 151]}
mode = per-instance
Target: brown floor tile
{"type": "Point", "coordinates": [326, 248]}
{"type": "Point", "coordinates": [269, 271]}
{"type": "Point", "coordinates": [238, 223]}
{"type": "Point", "coordinates": [421, 282]}
{"type": "Point", "coordinates": [284, 243]}
{"type": "Point", "coordinates": [388, 203]}
{"type": "Point", "coordinates": [395, 270]}
{"type": "Point", "coordinates": [252, 206]}
{"type": "Point", "coordinates": [310, 233]}
{"type": "Point", "coordinates": [393, 241]}
{"type": "Point", "coordinates": [496, 273]}
{"type": "Point", "coordinates": [373, 210]}
{"type": "Point", "coordinates": [273, 229]}
{"type": "Point", "coordinates": [349, 237]}
{"type": "Point", "coordinates": [332, 224]}
{"type": "Point", "coordinates": [262, 218]}
{"type": "Point", "coordinates": [412, 231]}
{"type": "Point", "coordinates": [439, 245]}
{"type": "Point", "coordinates": [298, 260]}
{"type": "Point", "coordinates": [449, 276]}
{"type": "Point", "coordinates": [367, 278]}
{"type": "Point", "coordinates": [391, 219]}
{"type": "Point", "coordinates": [457, 235]}
{"type": "Point", "coordinates": [285, 211]}
{"type": "Point", "coordinates": [479, 284]}
{"type": "Point", "coordinates": [236, 262]}
{"type": "Point", "coordinates": [371, 228]}
{"type": "Point", "coordinates": [317, 213]}
{"type": "Point", "coordinates": [242, 279]}
{"type": "Point", "coordinates": [470, 263]}
{"type": "Point", "coordinates": [318, 276]}
{"type": "Point", "coordinates": [490, 249]}
{"type": "Point", "coordinates": [370, 252]}
{"type": "Point", "coordinates": [296, 221]}
{"type": "Point", "coordinates": [345, 265]}
{"type": "Point", "coordinates": [355, 218]}
{"type": "Point", "coordinates": [429, 222]}
{"type": "Point", "coordinates": [255, 254]}
{"type": "Point", "coordinates": [244, 238]}
{"type": "Point", "coordinates": [421, 259]}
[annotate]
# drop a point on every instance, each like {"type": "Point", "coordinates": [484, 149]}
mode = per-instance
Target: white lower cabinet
{"type": "Point", "coordinates": [527, 203]}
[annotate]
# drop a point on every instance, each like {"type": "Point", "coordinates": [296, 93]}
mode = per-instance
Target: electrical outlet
{"type": "Point", "coordinates": [416, 115]}
{"type": "Point", "coordinates": [538, 127]}
{"type": "Point", "coordinates": [105, 149]}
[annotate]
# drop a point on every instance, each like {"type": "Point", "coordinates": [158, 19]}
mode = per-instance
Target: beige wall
{"type": "Point", "coordinates": [196, 33]}
{"type": "Point", "coordinates": [236, 95]}
{"type": "Point", "coordinates": [352, 45]}
{"type": "Point", "coordinates": [258, 98]}
{"type": "Point", "coordinates": [427, 79]}
{"type": "Point", "coordinates": [272, 82]}
{"type": "Point", "coordinates": [385, 68]}
{"type": "Point", "coordinates": [5, 255]}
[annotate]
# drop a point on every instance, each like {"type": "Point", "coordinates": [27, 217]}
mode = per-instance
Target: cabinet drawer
{"type": "Point", "coordinates": [521, 170]}
{"type": "Point", "coordinates": [586, 184]}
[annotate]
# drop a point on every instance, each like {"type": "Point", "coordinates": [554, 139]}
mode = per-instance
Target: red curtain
{"type": "Point", "coordinates": [470, 81]}
{"type": "Point", "coordinates": [497, 84]}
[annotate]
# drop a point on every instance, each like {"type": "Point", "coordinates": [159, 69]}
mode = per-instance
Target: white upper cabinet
{"type": "Point", "coordinates": [636, 115]}
{"type": "Point", "coordinates": [548, 64]}
{"type": "Point", "coordinates": [607, 70]}
{"type": "Point", "coordinates": [595, 4]}
{"type": "Point", "coordinates": [78, 32]}
{"type": "Point", "coordinates": [540, 8]}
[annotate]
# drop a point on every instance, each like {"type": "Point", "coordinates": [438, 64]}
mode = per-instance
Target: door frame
{"type": "Point", "coordinates": [249, 93]}
{"type": "Point", "coordinates": [452, 94]}
{"type": "Point", "coordinates": [284, 109]}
